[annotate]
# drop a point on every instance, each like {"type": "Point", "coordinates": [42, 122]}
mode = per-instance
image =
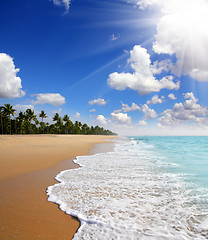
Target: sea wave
{"type": "Point", "coordinates": [126, 194]}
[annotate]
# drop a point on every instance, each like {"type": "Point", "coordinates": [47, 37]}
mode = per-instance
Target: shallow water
{"type": "Point", "coordinates": [148, 188]}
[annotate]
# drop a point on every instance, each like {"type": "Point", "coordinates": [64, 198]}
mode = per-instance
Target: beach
{"type": "Point", "coordinates": [28, 166]}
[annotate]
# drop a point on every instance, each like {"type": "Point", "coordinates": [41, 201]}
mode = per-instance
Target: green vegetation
{"type": "Point", "coordinates": [27, 123]}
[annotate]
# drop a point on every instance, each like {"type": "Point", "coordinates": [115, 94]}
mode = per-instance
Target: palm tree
{"type": "Point", "coordinates": [66, 120]}
{"type": "Point", "coordinates": [30, 116]}
{"type": "Point", "coordinates": [68, 124]}
{"type": "Point", "coordinates": [47, 124]}
{"type": "Point", "coordinates": [76, 129]}
{"type": "Point", "coordinates": [58, 120]}
{"type": "Point", "coordinates": [8, 110]}
{"type": "Point", "coordinates": [84, 128]}
{"type": "Point", "coordinates": [97, 130]}
{"type": "Point", "coordinates": [1, 110]}
{"type": "Point", "coordinates": [42, 115]}
{"type": "Point", "coordinates": [36, 123]}
{"type": "Point", "coordinates": [20, 118]}
{"type": "Point", "coordinates": [92, 130]}
{"type": "Point", "coordinates": [56, 117]}
{"type": "Point", "coordinates": [80, 125]}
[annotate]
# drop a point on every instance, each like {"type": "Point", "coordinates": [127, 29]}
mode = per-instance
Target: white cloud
{"type": "Point", "coordinates": [182, 31]}
{"type": "Point", "coordinates": [92, 110]}
{"type": "Point", "coordinates": [99, 102]}
{"type": "Point", "coordinates": [10, 84]}
{"type": "Point", "coordinates": [65, 3]}
{"type": "Point", "coordinates": [22, 108]}
{"type": "Point", "coordinates": [172, 96]}
{"type": "Point", "coordinates": [189, 95]}
{"type": "Point", "coordinates": [142, 80]}
{"type": "Point", "coordinates": [148, 112]}
{"type": "Point", "coordinates": [51, 98]}
{"type": "Point", "coordinates": [77, 115]}
{"type": "Point", "coordinates": [142, 123]}
{"type": "Point", "coordinates": [101, 120]}
{"type": "Point", "coordinates": [114, 37]}
{"type": "Point", "coordinates": [155, 100]}
{"type": "Point", "coordinates": [127, 108]}
{"type": "Point", "coordinates": [199, 74]}
{"type": "Point", "coordinates": [188, 111]}
{"type": "Point", "coordinates": [121, 118]}
{"type": "Point", "coordinates": [162, 66]}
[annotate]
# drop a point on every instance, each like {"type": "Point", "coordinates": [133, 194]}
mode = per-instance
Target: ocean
{"type": "Point", "coordinates": [147, 188]}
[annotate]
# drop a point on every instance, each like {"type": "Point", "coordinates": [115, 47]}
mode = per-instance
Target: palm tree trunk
{"type": "Point", "coordinates": [42, 125]}
{"type": "Point", "coordinates": [10, 124]}
{"type": "Point", "coordinates": [30, 128]}
{"type": "Point", "coordinates": [2, 130]}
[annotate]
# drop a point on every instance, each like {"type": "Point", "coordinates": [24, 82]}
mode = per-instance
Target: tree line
{"type": "Point", "coordinates": [27, 123]}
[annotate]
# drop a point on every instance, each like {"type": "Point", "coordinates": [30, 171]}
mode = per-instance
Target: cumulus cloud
{"type": "Point", "coordinates": [172, 96]}
{"type": "Point", "coordinates": [99, 102]}
{"type": "Point", "coordinates": [142, 79]}
{"type": "Point", "coordinates": [155, 100]}
{"type": "Point", "coordinates": [142, 123]}
{"type": "Point", "coordinates": [92, 110]}
{"type": "Point", "coordinates": [148, 112]}
{"type": "Point", "coordinates": [77, 115]}
{"type": "Point", "coordinates": [101, 120]}
{"type": "Point", "coordinates": [161, 66]}
{"type": "Point", "coordinates": [188, 111]}
{"type": "Point", "coordinates": [10, 84]}
{"type": "Point", "coordinates": [51, 98]}
{"type": "Point", "coordinates": [127, 108]}
{"type": "Point", "coordinates": [64, 3]}
{"type": "Point", "coordinates": [189, 95]}
{"type": "Point", "coordinates": [121, 118]}
{"type": "Point", "coordinates": [199, 74]}
{"type": "Point", "coordinates": [182, 31]}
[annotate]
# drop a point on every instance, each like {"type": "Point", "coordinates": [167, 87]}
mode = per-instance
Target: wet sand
{"type": "Point", "coordinates": [28, 165]}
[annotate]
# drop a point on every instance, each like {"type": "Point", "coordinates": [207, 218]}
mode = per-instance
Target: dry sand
{"type": "Point", "coordinates": [28, 165]}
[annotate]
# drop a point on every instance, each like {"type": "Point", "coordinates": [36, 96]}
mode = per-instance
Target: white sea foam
{"type": "Point", "coordinates": [125, 195]}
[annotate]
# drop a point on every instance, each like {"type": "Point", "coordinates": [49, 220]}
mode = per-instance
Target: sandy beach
{"type": "Point", "coordinates": [28, 165]}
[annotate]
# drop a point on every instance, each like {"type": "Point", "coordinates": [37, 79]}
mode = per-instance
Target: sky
{"type": "Point", "coordinates": [136, 67]}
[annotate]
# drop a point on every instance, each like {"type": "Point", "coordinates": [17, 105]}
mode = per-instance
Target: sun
{"type": "Point", "coordinates": [182, 31]}
{"type": "Point", "coordinates": [191, 16]}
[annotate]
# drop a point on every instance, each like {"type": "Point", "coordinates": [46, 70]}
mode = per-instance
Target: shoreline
{"type": "Point", "coordinates": [25, 211]}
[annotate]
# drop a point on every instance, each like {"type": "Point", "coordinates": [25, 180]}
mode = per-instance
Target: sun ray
{"type": "Point", "coordinates": [92, 74]}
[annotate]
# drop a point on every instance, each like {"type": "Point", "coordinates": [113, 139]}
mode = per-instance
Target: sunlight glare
{"type": "Point", "coordinates": [182, 30]}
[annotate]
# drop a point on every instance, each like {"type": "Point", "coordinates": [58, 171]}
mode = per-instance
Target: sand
{"type": "Point", "coordinates": [28, 165]}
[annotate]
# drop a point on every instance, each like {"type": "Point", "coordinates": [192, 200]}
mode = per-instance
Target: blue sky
{"type": "Point", "coordinates": [136, 67]}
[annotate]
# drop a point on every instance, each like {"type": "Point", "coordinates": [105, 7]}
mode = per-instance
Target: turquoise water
{"type": "Point", "coordinates": [188, 155]}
